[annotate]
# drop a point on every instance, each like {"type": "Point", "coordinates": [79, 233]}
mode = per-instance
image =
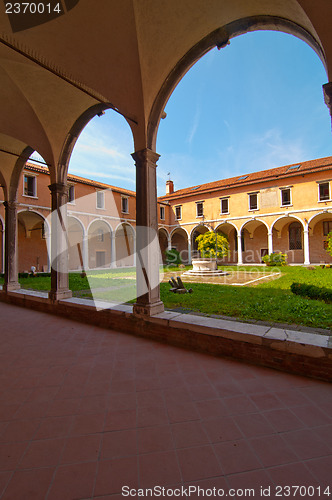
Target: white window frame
{"type": "Point", "coordinates": [180, 208]}
{"type": "Point", "coordinates": [127, 202]}
{"type": "Point", "coordinates": [33, 176]}
{"type": "Point", "coordinates": [329, 184]}
{"type": "Point", "coordinates": [103, 199]}
{"type": "Point", "coordinates": [290, 196]}
{"type": "Point", "coordinates": [224, 198]}
{"type": "Point", "coordinates": [162, 212]}
{"type": "Point", "coordinates": [199, 203]}
{"type": "Point", "coordinates": [249, 196]}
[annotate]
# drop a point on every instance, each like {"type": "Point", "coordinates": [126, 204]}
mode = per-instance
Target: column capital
{"type": "Point", "coordinates": [327, 89]}
{"type": "Point", "coordinates": [145, 155]}
{"type": "Point", "coordinates": [11, 205]}
{"type": "Point", "coordinates": [58, 187]}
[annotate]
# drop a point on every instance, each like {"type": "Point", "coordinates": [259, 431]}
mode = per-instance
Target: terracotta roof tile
{"type": "Point", "coordinates": [256, 177]}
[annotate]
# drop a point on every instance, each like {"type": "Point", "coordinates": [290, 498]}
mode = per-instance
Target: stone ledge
{"type": "Point", "coordinates": [284, 349]}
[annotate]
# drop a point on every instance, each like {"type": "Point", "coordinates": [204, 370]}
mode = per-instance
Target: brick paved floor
{"type": "Point", "coordinates": [85, 411]}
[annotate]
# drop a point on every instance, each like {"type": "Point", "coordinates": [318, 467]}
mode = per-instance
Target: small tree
{"type": "Point", "coordinates": [209, 247]}
{"type": "Point", "coordinates": [329, 243]}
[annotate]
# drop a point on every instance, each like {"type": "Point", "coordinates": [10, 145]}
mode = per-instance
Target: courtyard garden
{"type": "Point", "coordinates": [248, 293]}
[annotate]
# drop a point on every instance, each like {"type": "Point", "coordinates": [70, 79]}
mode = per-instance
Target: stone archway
{"type": "Point", "coordinates": [125, 245]}
{"type": "Point", "coordinates": [197, 231]}
{"type": "Point", "coordinates": [230, 231]}
{"type": "Point", "coordinates": [254, 241]}
{"type": "Point", "coordinates": [2, 233]}
{"type": "Point", "coordinates": [75, 244]}
{"type": "Point", "coordinates": [179, 241]}
{"type": "Point", "coordinates": [288, 238]}
{"type": "Point", "coordinates": [32, 248]}
{"type": "Point", "coordinates": [319, 227]}
{"type": "Point", "coordinates": [163, 242]}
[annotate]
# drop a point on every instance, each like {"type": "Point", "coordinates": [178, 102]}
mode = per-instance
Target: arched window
{"type": "Point", "coordinates": [295, 236]}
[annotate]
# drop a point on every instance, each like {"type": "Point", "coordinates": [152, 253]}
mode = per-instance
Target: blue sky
{"type": "Point", "coordinates": [254, 105]}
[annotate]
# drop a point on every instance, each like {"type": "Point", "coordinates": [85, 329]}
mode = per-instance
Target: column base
{"type": "Point", "coordinates": [60, 295]}
{"type": "Point", "coordinates": [10, 287]}
{"type": "Point", "coordinates": [148, 309]}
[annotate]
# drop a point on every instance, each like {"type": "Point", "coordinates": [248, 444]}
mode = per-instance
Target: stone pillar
{"type": "Point", "coordinates": [270, 242]}
{"type": "Point", "coordinates": [11, 250]}
{"type": "Point", "coordinates": [147, 241]}
{"type": "Point", "coordinates": [59, 243]}
{"type": "Point", "coordinates": [239, 250]}
{"type": "Point", "coordinates": [189, 251]}
{"type": "Point", "coordinates": [113, 251]}
{"type": "Point", "coordinates": [306, 247]}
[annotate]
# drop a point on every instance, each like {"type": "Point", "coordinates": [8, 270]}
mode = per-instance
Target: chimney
{"type": "Point", "coordinates": [169, 187]}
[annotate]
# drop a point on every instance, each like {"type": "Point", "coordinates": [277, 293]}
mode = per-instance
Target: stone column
{"type": "Point", "coordinates": [189, 251]}
{"type": "Point", "coordinates": [147, 241]}
{"type": "Point", "coordinates": [306, 247]}
{"type": "Point", "coordinates": [11, 250]}
{"type": "Point", "coordinates": [113, 253]}
{"type": "Point", "coordinates": [239, 249]}
{"type": "Point", "coordinates": [59, 243]}
{"type": "Point", "coordinates": [270, 242]}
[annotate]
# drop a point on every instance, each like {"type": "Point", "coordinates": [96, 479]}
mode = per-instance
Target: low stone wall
{"type": "Point", "coordinates": [283, 349]}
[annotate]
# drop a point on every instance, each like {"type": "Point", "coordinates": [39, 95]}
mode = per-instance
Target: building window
{"type": "Point", "coordinates": [178, 213]}
{"type": "Point", "coordinates": [124, 205]}
{"type": "Point", "coordinates": [324, 191]}
{"type": "Point", "coordinates": [199, 209]}
{"type": "Point", "coordinates": [285, 197]}
{"type": "Point", "coordinates": [30, 185]}
{"type": "Point", "coordinates": [295, 236]}
{"type": "Point", "coordinates": [71, 194]}
{"type": "Point", "coordinates": [100, 199]}
{"type": "Point", "coordinates": [162, 212]}
{"type": "Point", "coordinates": [224, 206]}
{"type": "Point", "coordinates": [100, 235]}
{"type": "Point", "coordinates": [327, 227]}
{"type": "Point", "coordinates": [253, 201]}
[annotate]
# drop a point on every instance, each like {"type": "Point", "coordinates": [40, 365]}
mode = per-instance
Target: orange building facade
{"type": "Point", "coordinates": [287, 209]}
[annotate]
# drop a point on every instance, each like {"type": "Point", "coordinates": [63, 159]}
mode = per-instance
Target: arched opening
{"type": "Point", "coordinates": [125, 246]}
{"type": "Point", "coordinates": [198, 230]}
{"type": "Point", "coordinates": [32, 248]}
{"type": "Point", "coordinates": [288, 238]}
{"type": "Point", "coordinates": [255, 242]}
{"type": "Point", "coordinates": [2, 241]}
{"type": "Point", "coordinates": [319, 227]}
{"type": "Point", "coordinates": [76, 245]}
{"type": "Point", "coordinates": [179, 241]}
{"type": "Point", "coordinates": [99, 245]}
{"type": "Point", "coordinates": [230, 232]}
{"type": "Point", "coordinates": [163, 242]}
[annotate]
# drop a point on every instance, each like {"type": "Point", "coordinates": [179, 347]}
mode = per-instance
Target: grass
{"type": "Point", "coordinates": [267, 301]}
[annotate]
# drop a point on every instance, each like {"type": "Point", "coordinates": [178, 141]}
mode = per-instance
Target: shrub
{"type": "Point", "coordinates": [329, 243]}
{"type": "Point", "coordinates": [312, 292]}
{"type": "Point", "coordinates": [275, 259]}
{"type": "Point", "coordinates": [173, 257]}
{"type": "Point", "coordinates": [210, 244]}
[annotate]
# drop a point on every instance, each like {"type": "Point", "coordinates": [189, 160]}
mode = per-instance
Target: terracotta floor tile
{"type": "Point", "coordinates": [120, 419]}
{"type": "Point", "coordinates": [182, 412]}
{"type": "Point", "coordinates": [152, 439]}
{"type": "Point", "coordinates": [43, 393]}
{"type": "Point", "coordinates": [60, 408]}
{"type": "Point", "coordinates": [33, 409]}
{"type": "Point", "coordinates": [152, 415]}
{"type": "Point", "coordinates": [5, 477]}
{"type": "Point", "coordinates": [283, 420]}
{"type": "Point", "coordinates": [292, 474]}
{"type": "Point", "coordinates": [29, 484]}
{"type": "Point", "coordinates": [93, 404]}
{"type": "Point", "coordinates": [202, 392]}
{"type": "Point", "coordinates": [266, 401]}
{"type": "Point", "coordinates": [122, 401]}
{"type": "Point", "coordinates": [219, 483]}
{"type": "Point", "coordinates": [306, 444]}
{"type": "Point", "coordinates": [321, 469]}
{"type": "Point", "coordinates": [229, 389]}
{"type": "Point", "coordinates": [236, 456]}
{"type": "Point", "coordinates": [312, 416]}
{"type": "Point", "coordinates": [273, 450]}
{"type": "Point", "coordinates": [253, 424]}
{"type": "Point", "coordinates": [199, 462]}
{"type": "Point", "coordinates": [20, 430]}
{"type": "Point", "coordinates": [112, 475]}
{"type": "Point", "coordinates": [8, 411]}
{"type": "Point", "coordinates": [118, 444]}
{"type": "Point", "coordinates": [239, 405]}
{"type": "Point", "coordinates": [81, 449]}
{"type": "Point", "coordinates": [73, 481]}
{"type": "Point", "coordinates": [159, 469]}
{"type": "Point", "coordinates": [254, 479]}
{"type": "Point", "coordinates": [11, 454]}
{"type": "Point", "coordinates": [146, 399]}
{"type": "Point", "coordinates": [54, 427]}
{"type": "Point", "coordinates": [291, 397]}
{"type": "Point", "coordinates": [211, 408]}
{"type": "Point", "coordinates": [222, 429]}
{"type": "Point", "coordinates": [187, 434]}
{"type": "Point", "coordinates": [87, 424]}
{"type": "Point", "coordinates": [42, 453]}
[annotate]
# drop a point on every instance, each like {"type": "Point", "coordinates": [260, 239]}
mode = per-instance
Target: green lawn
{"type": "Point", "coordinates": [269, 301]}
